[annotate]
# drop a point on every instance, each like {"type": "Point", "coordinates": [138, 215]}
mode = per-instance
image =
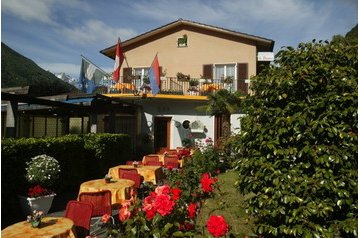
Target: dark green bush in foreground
{"type": "Point", "coordinates": [298, 147]}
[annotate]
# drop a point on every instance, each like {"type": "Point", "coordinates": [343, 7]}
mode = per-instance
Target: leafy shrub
{"type": "Point", "coordinates": [298, 146]}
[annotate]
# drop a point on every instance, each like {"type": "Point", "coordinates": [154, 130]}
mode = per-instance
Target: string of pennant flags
{"type": "Point", "coordinates": [92, 76]}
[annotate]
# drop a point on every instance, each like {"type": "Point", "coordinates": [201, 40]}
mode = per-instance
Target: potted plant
{"type": "Point", "coordinates": [42, 172]}
{"type": "Point", "coordinates": [183, 77]}
{"type": "Point", "coordinates": [228, 79]}
{"type": "Point", "coordinates": [146, 85]}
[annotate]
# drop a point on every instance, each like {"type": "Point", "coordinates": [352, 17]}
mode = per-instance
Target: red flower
{"type": "Point", "coordinates": [192, 210]}
{"type": "Point", "coordinates": [105, 218]}
{"type": "Point", "coordinates": [150, 213]}
{"type": "Point", "coordinates": [176, 193]}
{"type": "Point", "coordinates": [207, 182]}
{"type": "Point", "coordinates": [217, 226]}
{"type": "Point", "coordinates": [38, 191]}
{"type": "Point", "coordinates": [163, 204]}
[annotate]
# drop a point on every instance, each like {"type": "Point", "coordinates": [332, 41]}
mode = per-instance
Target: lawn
{"type": "Point", "coordinates": [229, 203]}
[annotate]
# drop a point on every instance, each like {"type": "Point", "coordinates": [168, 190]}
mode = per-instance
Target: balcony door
{"type": "Point", "coordinates": [161, 133]}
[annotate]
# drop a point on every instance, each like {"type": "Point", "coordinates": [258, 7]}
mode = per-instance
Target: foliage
{"type": "Point", "coordinates": [16, 71]}
{"type": "Point", "coordinates": [183, 77]}
{"type": "Point", "coordinates": [43, 170]}
{"type": "Point", "coordinates": [222, 103]}
{"type": "Point", "coordinates": [193, 82]}
{"type": "Point", "coordinates": [229, 79]}
{"type": "Point", "coordinates": [298, 145]}
{"type": "Point", "coordinates": [187, 142]}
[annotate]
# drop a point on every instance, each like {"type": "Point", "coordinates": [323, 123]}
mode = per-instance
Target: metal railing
{"type": "Point", "coordinates": [168, 85]}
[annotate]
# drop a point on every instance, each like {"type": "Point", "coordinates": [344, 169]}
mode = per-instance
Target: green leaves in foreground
{"type": "Point", "coordinates": [298, 146]}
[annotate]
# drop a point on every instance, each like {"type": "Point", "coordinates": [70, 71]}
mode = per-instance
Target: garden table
{"type": "Point", "coordinates": [53, 227]}
{"type": "Point", "coordinates": [151, 174]}
{"type": "Point", "coordinates": [120, 188]}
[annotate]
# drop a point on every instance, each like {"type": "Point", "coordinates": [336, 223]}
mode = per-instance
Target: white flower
{"type": "Point", "coordinates": [42, 169]}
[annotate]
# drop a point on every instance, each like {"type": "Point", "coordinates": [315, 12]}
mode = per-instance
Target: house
{"type": "Point", "coordinates": [194, 59]}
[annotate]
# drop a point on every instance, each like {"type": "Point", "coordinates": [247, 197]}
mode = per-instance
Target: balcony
{"type": "Point", "coordinates": [169, 85]}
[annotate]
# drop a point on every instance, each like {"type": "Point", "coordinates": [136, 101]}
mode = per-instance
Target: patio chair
{"type": "Point", "coordinates": [80, 213]}
{"type": "Point", "coordinates": [150, 158]}
{"type": "Point", "coordinates": [171, 161]}
{"type": "Point", "coordinates": [154, 163]}
{"type": "Point", "coordinates": [101, 201]}
{"type": "Point", "coordinates": [134, 177]}
{"type": "Point", "coordinates": [122, 171]}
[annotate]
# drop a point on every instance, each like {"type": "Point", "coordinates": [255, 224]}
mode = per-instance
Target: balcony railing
{"type": "Point", "coordinates": [168, 85]}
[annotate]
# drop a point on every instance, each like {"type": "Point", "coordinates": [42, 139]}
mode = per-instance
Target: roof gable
{"type": "Point", "coordinates": [261, 42]}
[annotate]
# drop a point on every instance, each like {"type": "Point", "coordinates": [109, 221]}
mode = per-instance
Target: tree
{"type": "Point", "coordinates": [297, 151]}
{"type": "Point", "coordinates": [222, 103]}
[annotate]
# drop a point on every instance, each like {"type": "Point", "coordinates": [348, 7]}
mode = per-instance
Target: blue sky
{"type": "Point", "coordinates": [55, 33]}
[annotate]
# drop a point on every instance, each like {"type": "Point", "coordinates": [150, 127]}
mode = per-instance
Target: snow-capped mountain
{"type": "Point", "coordinates": [68, 79]}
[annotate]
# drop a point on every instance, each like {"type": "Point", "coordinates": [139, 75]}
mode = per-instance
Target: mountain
{"type": "Point", "coordinates": [19, 71]}
{"type": "Point", "coordinates": [68, 79]}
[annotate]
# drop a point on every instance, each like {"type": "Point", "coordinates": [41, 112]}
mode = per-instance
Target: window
{"type": "Point", "coordinates": [221, 71]}
{"type": "Point", "coordinates": [139, 73]}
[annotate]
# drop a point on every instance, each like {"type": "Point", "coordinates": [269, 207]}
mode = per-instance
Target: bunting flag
{"type": "Point", "coordinates": [90, 76]}
{"type": "Point", "coordinates": [154, 76]}
{"type": "Point", "coordinates": [118, 61]}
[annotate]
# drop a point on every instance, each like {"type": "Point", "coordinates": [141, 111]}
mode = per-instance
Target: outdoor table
{"type": "Point", "coordinates": [51, 227]}
{"type": "Point", "coordinates": [150, 174]}
{"type": "Point", "coordinates": [120, 188]}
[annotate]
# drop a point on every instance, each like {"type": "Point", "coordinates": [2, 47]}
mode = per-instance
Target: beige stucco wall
{"type": "Point", "coordinates": [201, 49]}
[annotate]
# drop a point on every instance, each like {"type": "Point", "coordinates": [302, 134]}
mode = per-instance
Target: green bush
{"type": "Point", "coordinates": [297, 151]}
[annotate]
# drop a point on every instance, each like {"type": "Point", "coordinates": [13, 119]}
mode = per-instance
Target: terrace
{"type": "Point", "coordinates": [168, 85]}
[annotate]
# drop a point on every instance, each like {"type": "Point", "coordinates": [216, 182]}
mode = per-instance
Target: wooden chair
{"type": "Point", "coordinates": [101, 201]}
{"type": "Point", "coordinates": [80, 213]}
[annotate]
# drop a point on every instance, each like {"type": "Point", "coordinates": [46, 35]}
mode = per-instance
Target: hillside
{"type": "Point", "coordinates": [17, 70]}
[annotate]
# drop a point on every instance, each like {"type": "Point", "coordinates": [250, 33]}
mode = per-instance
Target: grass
{"type": "Point", "coordinates": [229, 203]}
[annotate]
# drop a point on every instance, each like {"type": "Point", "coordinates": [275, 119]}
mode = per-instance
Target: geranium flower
{"type": "Point", "coordinates": [105, 218]}
{"type": "Point", "coordinates": [217, 226]}
{"type": "Point", "coordinates": [163, 204]}
{"type": "Point", "coordinates": [207, 182]}
{"type": "Point", "coordinates": [150, 213]}
{"type": "Point", "coordinates": [192, 210]}
{"type": "Point", "coordinates": [176, 194]}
